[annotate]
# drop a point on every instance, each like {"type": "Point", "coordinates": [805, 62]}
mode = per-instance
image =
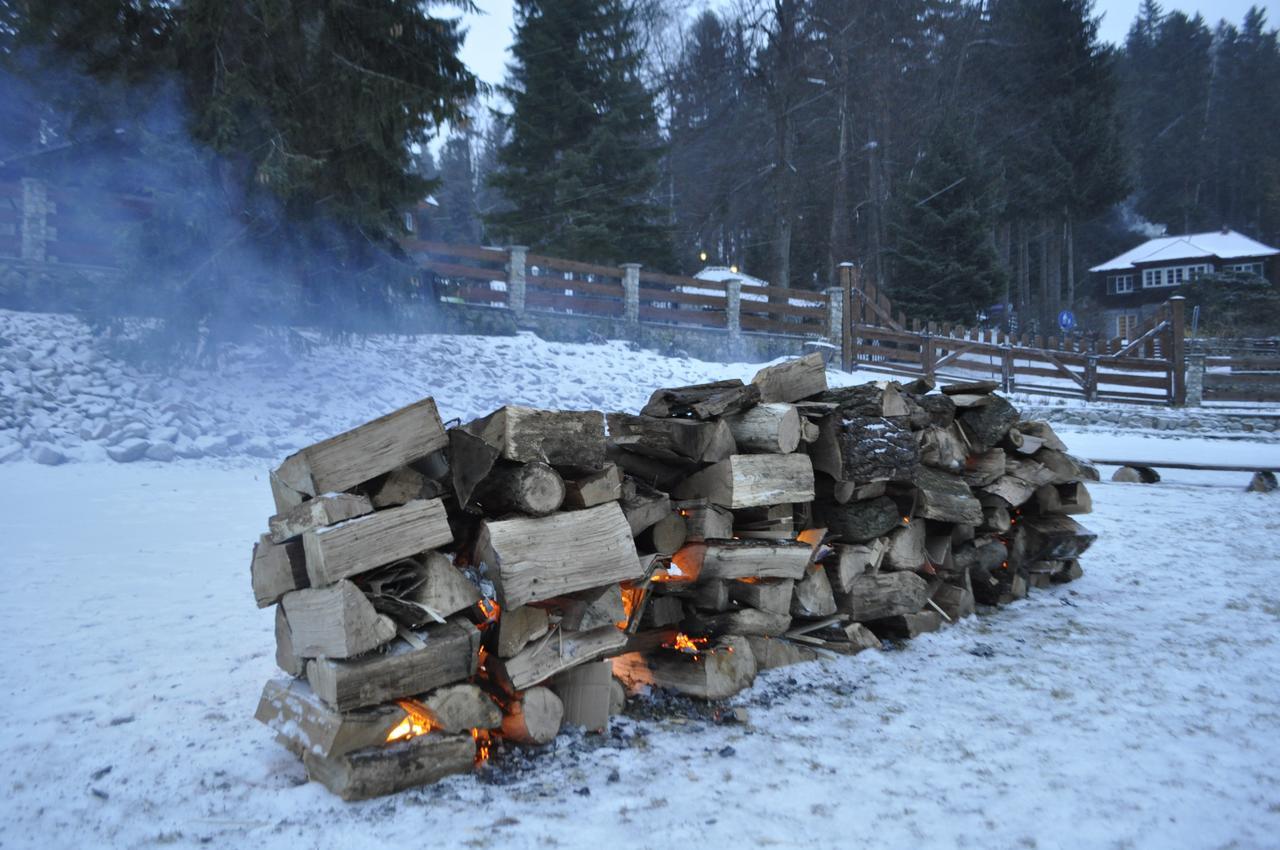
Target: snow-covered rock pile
{"type": "Point", "coordinates": [64, 397]}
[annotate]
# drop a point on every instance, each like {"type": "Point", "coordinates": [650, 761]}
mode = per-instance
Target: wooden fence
{"type": "Point", "coordinates": [1236, 370]}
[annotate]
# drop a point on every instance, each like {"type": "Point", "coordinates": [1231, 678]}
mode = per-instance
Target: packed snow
{"type": "Point", "coordinates": [1134, 708]}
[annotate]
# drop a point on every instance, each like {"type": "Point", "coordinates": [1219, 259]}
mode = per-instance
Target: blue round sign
{"type": "Point", "coordinates": [1066, 320]}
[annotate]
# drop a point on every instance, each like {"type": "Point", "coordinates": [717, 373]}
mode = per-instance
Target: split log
{"type": "Point", "coordinates": [530, 559]}
{"type": "Point", "coordinates": [430, 589]}
{"type": "Point", "coordinates": [971, 388]}
{"type": "Point", "coordinates": [470, 461]}
{"type": "Point", "coordinates": [304, 724]}
{"type": "Point", "coordinates": [945, 497]}
{"type": "Point", "coordinates": [745, 481]}
{"type": "Point", "coordinates": [594, 488]}
{"type": "Point", "coordinates": [996, 518]}
{"type": "Point", "coordinates": [940, 408]}
{"type": "Point", "coordinates": [672, 439]}
{"type": "Point", "coordinates": [336, 621]}
{"type": "Point", "coordinates": [586, 691]}
{"type": "Point", "coordinates": [705, 521]}
{"type": "Point", "coordinates": [986, 425]}
{"type": "Point", "coordinates": [532, 488]}
{"type": "Point", "coordinates": [358, 545]}
{"type": "Point", "coordinates": [1064, 468]}
{"type": "Point", "coordinates": [827, 489]}
{"type": "Point", "coordinates": [1070, 498]}
{"type": "Point", "coordinates": [858, 522]}
{"type": "Point", "coordinates": [446, 654]}
{"type": "Point", "coordinates": [277, 569]}
{"type": "Point", "coordinates": [906, 548]}
{"type": "Point", "coordinates": [772, 596]}
{"type": "Point", "coordinates": [813, 597]}
{"type": "Point", "coordinates": [872, 597]}
{"type": "Point", "coordinates": [768, 428]}
{"type": "Point", "coordinates": [518, 626]}
{"type": "Point", "coordinates": [617, 696]}
{"type": "Point", "coordinates": [1056, 537]}
{"type": "Point", "coordinates": [981, 470]}
{"type": "Point", "coordinates": [1042, 431]}
{"type": "Point", "coordinates": [375, 771]}
{"type": "Point", "coordinates": [771, 653]}
{"type": "Point", "coordinates": [1070, 572]}
{"type": "Point", "coordinates": [535, 718]}
{"type": "Point", "coordinates": [718, 673]}
{"type": "Point", "coordinates": [403, 485]}
{"type": "Point", "coordinates": [558, 651]}
{"type": "Point", "coordinates": [662, 611]}
{"type": "Point", "coordinates": [986, 555]}
{"type": "Point", "coordinates": [703, 401]}
{"type": "Point", "coordinates": [792, 380]}
{"type": "Point", "coordinates": [943, 448]}
{"type": "Point", "coordinates": [665, 536]}
{"type": "Point", "coordinates": [316, 513]}
{"type": "Point", "coordinates": [555, 437]}
{"type": "Point", "coordinates": [286, 659]}
{"type": "Point", "coordinates": [461, 708]}
{"type": "Point", "coordinates": [661, 474]}
{"type": "Point", "coordinates": [956, 602]}
{"type": "Point", "coordinates": [907, 626]}
{"type": "Point", "coordinates": [592, 609]}
{"type": "Point", "coordinates": [356, 456]}
{"type": "Point", "coordinates": [285, 497]}
{"type": "Point", "coordinates": [875, 400]}
{"type": "Point", "coordinates": [728, 559]}
{"type": "Point", "coordinates": [860, 638]}
{"type": "Point", "coordinates": [853, 560]}
{"type": "Point", "coordinates": [643, 506]}
{"type": "Point", "coordinates": [866, 449]}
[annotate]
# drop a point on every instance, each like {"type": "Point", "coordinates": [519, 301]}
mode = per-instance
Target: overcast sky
{"type": "Point", "coordinates": [486, 48]}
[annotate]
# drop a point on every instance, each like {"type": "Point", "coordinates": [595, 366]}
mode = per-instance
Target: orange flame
{"type": "Point", "coordinates": [483, 743]}
{"type": "Point", "coordinates": [684, 643]}
{"type": "Point", "coordinates": [417, 721]}
{"type": "Point", "coordinates": [685, 564]}
{"type": "Point", "coordinates": [489, 609]}
{"type": "Point", "coordinates": [631, 596]}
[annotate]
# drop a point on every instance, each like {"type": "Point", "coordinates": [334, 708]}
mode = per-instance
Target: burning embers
{"type": "Point", "coordinates": [443, 593]}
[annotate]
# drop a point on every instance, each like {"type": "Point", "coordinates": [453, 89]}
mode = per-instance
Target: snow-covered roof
{"type": "Point", "coordinates": [719, 274]}
{"type": "Point", "coordinates": [1221, 244]}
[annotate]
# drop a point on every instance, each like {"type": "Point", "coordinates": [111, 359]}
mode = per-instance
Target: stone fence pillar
{"type": "Point", "coordinates": [733, 308]}
{"type": "Point", "coordinates": [35, 220]}
{"type": "Point", "coordinates": [631, 293]}
{"type": "Point", "coordinates": [1195, 378]}
{"type": "Point", "coordinates": [835, 314]}
{"type": "Point", "coordinates": [518, 255]}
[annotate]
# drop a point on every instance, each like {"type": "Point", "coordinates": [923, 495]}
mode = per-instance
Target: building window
{"type": "Point", "coordinates": [1119, 283]}
{"type": "Point", "coordinates": [1126, 325]}
{"type": "Point", "coordinates": [1246, 268]}
{"type": "Point", "coordinates": [1173, 275]}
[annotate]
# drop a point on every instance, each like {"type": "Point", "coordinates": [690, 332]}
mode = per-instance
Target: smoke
{"type": "Point", "coordinates": [1134, 221]}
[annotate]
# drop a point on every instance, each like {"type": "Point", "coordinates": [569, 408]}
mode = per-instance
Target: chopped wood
{"type": "Point", "coordinates": [907, 626]}
{"type": "Point", "coordinates": [535, 718]}
{"type": "Point", "coordinates": [404, 485]}
{"type": "Point", "coordinates": [1072, 498]}
{"type": "Point", "coordinates": [705, 521]}
{"type": "Point", "coordinates": [586, 691]}
{"type": "Point", "coordinates": [461, 708]}
{"type": "Point", "coordinates": [374, 771]}
{"type": "Point", "coordinates": [316, 513]}
{"type": "Point", "coordinates": [860, 638]}
{"type": "Point", "coordinates": [337, 621]}
{"type": "Point", "coordinates": [1056, 537]}
{"type": "Point", "coordinates": [906, 548]}
{"type": "Point", "coordinates": [286, 659]}
{"type": "Point", "coordinates": [518, 626]}
{"type": "Point", "coordinates": [727, 559]}
{"type": "Point", "coordinates": [882, 595]}
{"type": "Point", "coordinates": [954, 602]}
{"type": "Point", "coordinates": [771, 595]}
{"type": "Point", "coordinates": [1070, 572]}
{"type": "Point", "coordinates": [996, 518]}
{"type": "Point", "coordinates": [1043, 432]}
{"type": "Point", "coordinates": [771, 652]}
{"type": "Point", "coordinates": [662, 611]}
{"type": "Point", "coordinates": [532, 488]}
{"type": "Point", "coordinates": [643, 506]}
{"type": "Point", "coordinates": [365, 543]}
{"type": "Point", "coordinates": [470, 461]}
{"type": "Point", "coordinates": [855, 559]}
{"type": "Point", "coordinates": [594, 488]}
{"type": "Point", "coordinates": [375, 448]}
{"type": "Point", "coordinates": [986, 425]}
{"type": "Point", "coordinates": [768, 428]}
{"type": "Point", "coordinates": [1012, 490]}
{"type": "Point", "coordinates": [971, 388]}
{"type": "Point", "coordinates": [940, 409]}
{"type": "Point", "coordinates": [665, 536]}
{"type": "Point", "coordinates": [792, 380]}
{"type": "Point", "coordinates": [304, 724]}
{"type": "Point", "coordinates": [866, 449]}
{"type": "Point", "coordinates": [813, 595]}
{"type": "Point", "coordinates": [945, 497]}
{"type": "Point", "coordinates": [718, 673]}
{"type": "Point", "coordinates": [703, 401]}
{"type": "Point", "coordinates": [744, 481]}
{"type": "Point", "coordinates": [591, 609]}
{"type": "Point", "coordinates": [529, 559]}
{"type": "Point", "coordinates": [543, 659]}
{"type": "Point", "coordinates": [449, 655]}
{"type": "Point", "coordinates": [1062, 468]}
{"type": "Point", "coordinates": [943, 448]}
{"type": "Point", "coordinates": [555, 437]}
{"type": "Point", "coordinates": [985, 468]}
{"type": "Point", "coordinates": [672, 439]}
{"type": "Point", "coordinates": [432, 589]}
{"type": "Point", "coordinates": [662, 474]}
{"type": "Point", "coordinates": [285, 497]}
{"type": "Point", "coordinates": [858, 522]}
{"type": "Point", "coordinates": [868, 400]}
{"type": "Point", "coordinates": [277, 569]}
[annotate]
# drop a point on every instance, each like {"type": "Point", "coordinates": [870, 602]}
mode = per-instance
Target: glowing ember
{"type": "Point", "coordinates": [481, 737]}
{"type": "Point", "coordinates": [417, 721]}
{"type": "Point", "coordinates": [489, 609]}
{"type": "Point", "coordinates": [684, 643]}
{"type": "Point", "coordinates": [631, 597]}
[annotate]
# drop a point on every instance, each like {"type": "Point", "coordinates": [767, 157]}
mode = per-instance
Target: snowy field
{"type": "Point", "coordinates": [1136, 708]}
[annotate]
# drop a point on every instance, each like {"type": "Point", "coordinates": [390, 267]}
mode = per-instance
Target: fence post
{"type": "Point", "coordinates": [847, 314]}
{"type": "Point", "coordinates": [926, 353]}
{"type": "Point", "coordinates": [835, 315]}
{"type": "Point", "coordinates": [733, 309]}
{"type": "Point", "coordinates": [631, 293]}
{"type": "Point", "coordinates": [1006, 367]}
{"type": "Point", "coordinates": [1195, 378]}
{"type": "Point", "coordinates": [35, 219]}
{"type": "Point", "coordinates": [1177, 350]}
{"type": "Point", "coordinates": [1091, 377]}
{"type": "Point", "coordinates": [518, 254]}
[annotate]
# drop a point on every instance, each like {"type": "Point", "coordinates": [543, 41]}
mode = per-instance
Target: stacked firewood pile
{"type": "Point", "coordinates": [438, 590]}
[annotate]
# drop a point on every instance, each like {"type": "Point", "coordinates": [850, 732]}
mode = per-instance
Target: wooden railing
{"type": "Point", "coordinates": [1148, 368]}
{"type": "Point", "coordinates": [535, 283]}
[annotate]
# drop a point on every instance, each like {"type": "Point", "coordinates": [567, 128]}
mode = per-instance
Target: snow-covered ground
{"type": "Point", "coordinates": [1135, 708]}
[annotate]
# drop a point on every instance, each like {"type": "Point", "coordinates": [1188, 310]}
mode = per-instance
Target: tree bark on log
{"type": "Point", "coordinates": [534, 489]}
{"type": "Point", "coordinates": [534, 719]}
{"type": "Point", "coordinates": [766, 428]}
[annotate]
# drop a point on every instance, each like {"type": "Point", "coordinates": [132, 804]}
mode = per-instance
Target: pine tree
{"type": "Point", "coordinates": [580, 168]}
{"type": "Point", "coordinates": [944, 265]}
{"type": "Point", "coordinates": [457, 193]}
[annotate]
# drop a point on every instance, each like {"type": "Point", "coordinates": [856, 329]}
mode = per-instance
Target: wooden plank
{"type": "Point", "coordinates": [466, 272]}
{"type": "Point", "coordinates": [530, 559]}
{"type": "Point", "coordinates": [535, 299]}
{"type": "Point", "coordinates": [701, 318]}
{"type": "Point", "coordinates": [448, 249]}
{"type": "Point", "coordinates": [560, 285]}
{"type": "Point", "coordinates": [374, 540]}
{"type": "Point", "coordinates": [571, 266]}
{"type": "Point", "coordinates": [353, 457]}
